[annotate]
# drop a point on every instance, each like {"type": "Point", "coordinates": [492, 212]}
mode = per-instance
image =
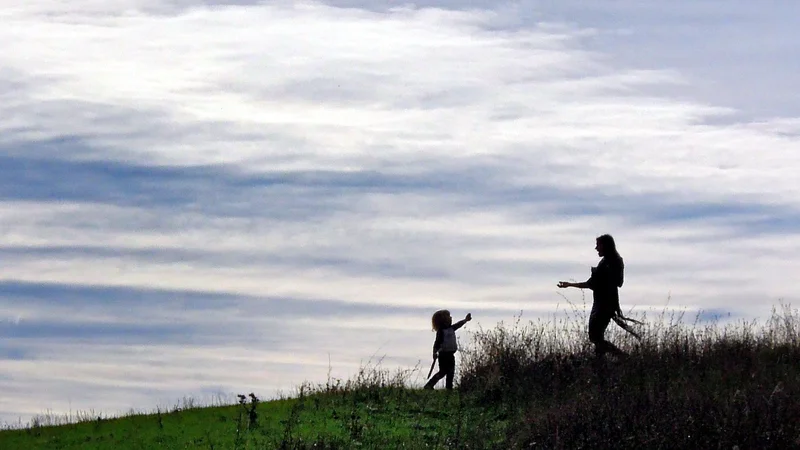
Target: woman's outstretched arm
{"type": "Point", "coordinates": [582, 285]}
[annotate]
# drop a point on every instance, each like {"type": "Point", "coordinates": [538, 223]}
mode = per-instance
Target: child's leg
{"type": "Point", "coordinates": [447, 363]}
{"type": "Point", "coordinates": [436, 377]}
{"type": "Point", "coordinates": [447, 366]}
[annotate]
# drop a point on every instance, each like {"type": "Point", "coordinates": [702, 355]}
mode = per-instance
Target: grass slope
{"type": "Point", "coordinates": [532, 386]}
{"type": "Point", "coordinates": [380, 418]}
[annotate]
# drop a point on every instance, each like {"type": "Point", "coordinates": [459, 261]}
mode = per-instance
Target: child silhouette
{"type": "Point", "coordinates": [445, 346]}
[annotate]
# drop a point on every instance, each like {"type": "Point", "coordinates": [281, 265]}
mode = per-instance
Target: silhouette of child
{"type": "Point", "coordinates": [445, 346]}
{"type": "Point", "coordinates": [606, 278]}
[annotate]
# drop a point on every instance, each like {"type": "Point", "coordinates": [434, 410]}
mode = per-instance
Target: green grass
{"type": "Point", "coordinates": [525, 386]}
{"type": "Point", "coordinates": [384, 417]}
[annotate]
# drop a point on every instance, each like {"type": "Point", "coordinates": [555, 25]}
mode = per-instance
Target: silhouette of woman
{"type": "Point", "coordinates": [606, 278]}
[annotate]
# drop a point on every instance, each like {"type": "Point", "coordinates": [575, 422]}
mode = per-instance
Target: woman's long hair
{"type": "Point", "coordinates": [610, 252]}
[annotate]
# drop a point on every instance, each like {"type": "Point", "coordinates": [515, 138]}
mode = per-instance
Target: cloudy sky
{"type": "Point", "coordinates": [201, 197]}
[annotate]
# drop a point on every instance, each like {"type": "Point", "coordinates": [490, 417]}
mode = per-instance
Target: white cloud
{"type": "Point", "coordinates": [354, 89]}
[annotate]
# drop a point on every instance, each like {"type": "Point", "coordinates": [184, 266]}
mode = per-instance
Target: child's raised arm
{"type": "Point", "coordinates": [461, 323]}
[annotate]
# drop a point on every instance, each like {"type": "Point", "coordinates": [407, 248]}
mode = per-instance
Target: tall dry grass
{"type": "Point", "coordinates": [686, 384]}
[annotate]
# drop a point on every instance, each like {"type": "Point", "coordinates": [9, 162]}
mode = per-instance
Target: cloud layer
{"type": "Point", "coordinates": [201, 197]}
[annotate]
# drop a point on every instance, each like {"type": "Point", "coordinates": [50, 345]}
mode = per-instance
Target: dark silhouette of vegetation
{"type": "Point", "coordinates": [682, 386]}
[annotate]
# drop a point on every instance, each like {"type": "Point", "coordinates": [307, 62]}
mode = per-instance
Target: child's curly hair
{"type": "Point", "coordinates": [439, 319]}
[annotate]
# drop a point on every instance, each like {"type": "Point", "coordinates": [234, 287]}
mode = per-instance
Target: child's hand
{"type": "Point", "coordinates": [469, 317]}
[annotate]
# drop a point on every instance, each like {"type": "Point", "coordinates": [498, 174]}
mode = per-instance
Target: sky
{"type": "Point", "coordinates": [201, 198]}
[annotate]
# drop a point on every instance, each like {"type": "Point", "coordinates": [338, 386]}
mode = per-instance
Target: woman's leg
{"type": "Point", "coordinates": [598, 322]}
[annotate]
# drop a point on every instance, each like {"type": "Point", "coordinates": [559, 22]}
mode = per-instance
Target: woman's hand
{"type": "Point", "coordinates": [469, 317]}
{"type": "Point", "coordinates": [564, 284]}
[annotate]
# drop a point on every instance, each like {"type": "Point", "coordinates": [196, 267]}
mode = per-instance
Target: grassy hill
{"type": "Point", "coordinates": [522, 386]}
